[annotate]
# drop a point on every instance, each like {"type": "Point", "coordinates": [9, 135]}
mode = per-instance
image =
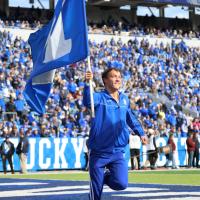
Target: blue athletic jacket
{"type": "Point", "coordinates": [109, 129]}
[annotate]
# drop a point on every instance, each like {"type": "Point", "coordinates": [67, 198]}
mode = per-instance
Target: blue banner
{"type": "Point", "coordinates": [67, 153]}
{"type": "Point", "coordinates": [63, 41]}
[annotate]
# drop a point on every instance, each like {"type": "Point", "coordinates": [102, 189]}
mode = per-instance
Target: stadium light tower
{"type": "Point", "coordinates": [51, 4]}
{"type": "Point", "coordinates": [4, 8]}
{"type": "Point", "coordinates": [40, 2]}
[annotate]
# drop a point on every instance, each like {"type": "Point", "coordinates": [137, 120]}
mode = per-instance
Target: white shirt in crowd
{"type": "Point", "coordinates": [150, 145]}
{"type": "Point", "coordinates": [134, 142]}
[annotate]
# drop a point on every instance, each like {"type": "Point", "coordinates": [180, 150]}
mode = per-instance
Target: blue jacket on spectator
{"type": "Point", "coordinates": [19, 104]}
{"type": "Point", "coordinates": [171, 119]}
{"type": "Point", "coordinates": [2, 104]}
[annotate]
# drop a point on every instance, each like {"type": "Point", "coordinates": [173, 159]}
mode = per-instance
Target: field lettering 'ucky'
{"type": "Point", "coordinates": [67, 153]}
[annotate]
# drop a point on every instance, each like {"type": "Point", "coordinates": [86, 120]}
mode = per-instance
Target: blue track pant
{"type": "Point", "coordinates": [116, 177]}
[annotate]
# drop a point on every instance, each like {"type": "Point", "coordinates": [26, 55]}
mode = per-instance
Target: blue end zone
{"type": "Point", "coordinates": [26, 189]}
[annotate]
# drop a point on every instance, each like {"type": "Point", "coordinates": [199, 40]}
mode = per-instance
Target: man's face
{"type": "Point", "coordinates": [113, 80]}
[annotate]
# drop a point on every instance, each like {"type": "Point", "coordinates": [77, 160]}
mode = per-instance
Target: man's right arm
{"type": "Point", "coordinates": [86, 97]}
{"type": "Point", "coordinates": [136, 126]}
{"type": "Point", "coordinates": [86, 92]}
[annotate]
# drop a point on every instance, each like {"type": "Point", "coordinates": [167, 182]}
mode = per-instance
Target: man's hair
{"type": "Point", "coordinates": [107, 71]}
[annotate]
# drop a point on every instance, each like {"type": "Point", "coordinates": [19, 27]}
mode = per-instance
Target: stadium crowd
{"type": "Point", "coordinates": [138, 30]}
{"type": "Point", "coordinates": [20, 24]}
{"type": "Point", "coordinates": [114, 28]}
{"type": "Point", "coordinates": [161, 80]}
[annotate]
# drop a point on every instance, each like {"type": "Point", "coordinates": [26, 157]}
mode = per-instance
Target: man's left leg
{"type": "Point", "coordinates": [197, 159]}
{"type": "Point", "coordinates": [3, 157]}
{"type": "Point", "coordinates": [138, 157]}
{"type": "Point", "coordinates": [11, 164]}
{"type": "Point", "coordinates": [23, 160]}
{"type": "Point", "coordinates": [117, 177]}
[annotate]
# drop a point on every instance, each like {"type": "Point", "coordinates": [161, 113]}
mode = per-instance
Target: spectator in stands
{"type": "Point", "coordinates": [14, 132]}
{"type": "Point", "coordinates": [10, 107]}
{"type": "Point", "coordinates": [166, 70]}
{"type": "Point", "coordinates": [19, 105]}
{"type": "Point", "coordinates": [7, 150]}
{"type": "Point", "coordinates": [178, 132]}
{"type": "Point", "coordinates": [22, 151]}
{"type": "Point", "coordinates": [196, 123]}
{"type": "Point", "coordinates": [2, 103]}
{"type": "Point", "coordinates": [35, 133]}
{"type": "Point", "coordinates": [44, 131]}
{"type": "Point", "coordinates": [184, 128]}
{"type": "Point", "coordinates": [55, 122]}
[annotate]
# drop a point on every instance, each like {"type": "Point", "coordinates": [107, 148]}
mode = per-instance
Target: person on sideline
{"type": "Point", "coordinates": [196, 151]}
{"type": "Point", "coordinates": [109, 134]}
{"type": "Point", "coordinates": [7, 150]}
{"type": "Point", "coordinates": [190, 149]}
{"type": "Point", "coordinates": [152, 150]}
{"type": "Point", "coordinates": [134, 144]}
{"type": "Point", "coordinates": [171, 156]}
{"type": "Point", "coordinates": [85, 150]}
{"type": "Point", "coordinates": [22, 151]}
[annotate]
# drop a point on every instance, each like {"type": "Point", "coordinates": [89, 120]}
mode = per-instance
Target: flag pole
{"type": "Point", "coordinates": [91, 90]}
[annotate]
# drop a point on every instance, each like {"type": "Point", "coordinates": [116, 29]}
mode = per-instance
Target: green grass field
{"type": "Point", "coordinates": [182, 177]}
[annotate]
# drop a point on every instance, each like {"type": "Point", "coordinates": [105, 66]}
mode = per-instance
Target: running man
{"type": "Point", "coordinates": [109, 134]}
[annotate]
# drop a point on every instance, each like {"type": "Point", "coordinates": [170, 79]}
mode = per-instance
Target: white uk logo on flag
{"type": "Point", "coordinates": [61, 42]}
{"type": "Point", "coordinates": [56, 45]}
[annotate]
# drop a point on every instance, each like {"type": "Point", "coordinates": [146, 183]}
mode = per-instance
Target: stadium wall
{"type": "Point", "coordinates": [67, 153]}
{"type": "Point", "coordinates": [125, 37]}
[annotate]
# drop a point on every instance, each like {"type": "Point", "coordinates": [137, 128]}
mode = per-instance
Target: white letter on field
{"type": "Point", "coordinates": [59, 153]}
{"type": "Point", "coordinates": [42, 163]}
{"type": "Point", "coordinates": [78, 147]}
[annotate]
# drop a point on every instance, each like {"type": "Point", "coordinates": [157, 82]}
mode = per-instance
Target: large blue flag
{"type": "Point", "coordinates": [63, 41]}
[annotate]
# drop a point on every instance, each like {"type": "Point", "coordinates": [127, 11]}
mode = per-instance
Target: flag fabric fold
{"type": "Point", "coordinates": [63, 41]}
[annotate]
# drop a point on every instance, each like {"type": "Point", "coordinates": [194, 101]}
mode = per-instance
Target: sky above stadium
{"type": "Point", "coordinates": [171, 12]}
